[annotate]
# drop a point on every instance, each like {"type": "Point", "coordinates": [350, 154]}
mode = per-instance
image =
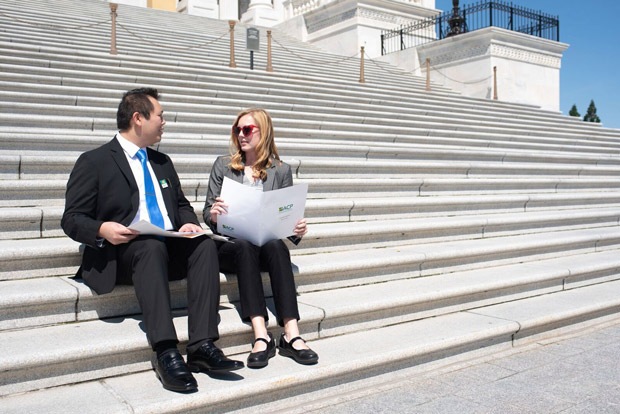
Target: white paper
{"type": "Point", "coordinates": [148, 229]}
{"type": "Point", "coordinates": [259, 216]}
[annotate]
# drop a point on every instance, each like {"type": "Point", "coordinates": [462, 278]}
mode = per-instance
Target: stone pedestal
{"type": "Point", "coordinates": [528, 67]}
{"type": "Point", "coordinates": [205, 8]}
{"type": "Point", "coordinates": [261, 13]}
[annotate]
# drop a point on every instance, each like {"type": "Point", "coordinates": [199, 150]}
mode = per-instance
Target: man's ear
{"type": "Point", "coordinates": [137, 118]}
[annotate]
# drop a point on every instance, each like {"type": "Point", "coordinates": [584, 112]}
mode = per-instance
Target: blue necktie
{"type": "Point", "coordinates": [149, 193]}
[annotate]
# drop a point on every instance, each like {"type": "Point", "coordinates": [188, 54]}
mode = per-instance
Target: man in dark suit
{"type": "Point", "coordinates": [123, 182]}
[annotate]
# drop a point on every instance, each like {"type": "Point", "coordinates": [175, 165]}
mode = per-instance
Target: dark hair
{"type": "Point", "coordinates": [135, 100]}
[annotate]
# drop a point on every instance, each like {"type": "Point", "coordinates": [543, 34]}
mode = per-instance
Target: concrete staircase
{"type": "Point", "coordinates": [441, 226]}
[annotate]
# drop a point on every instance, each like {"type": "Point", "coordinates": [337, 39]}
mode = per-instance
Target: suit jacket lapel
{"type": "Point", "coordinates": [271, 178]}
{"type": "Point", "coordinates": [234, 175]}
{"type": "Point", "coordinates": [118, 155]}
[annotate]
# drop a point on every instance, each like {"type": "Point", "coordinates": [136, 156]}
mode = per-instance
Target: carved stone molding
{"type": "Point", "coordinates": [498, 50]}
{"type": "Point", "coordinates": [527, 56]}
{"type": "Point", "coordinates": [384, 16]}
{"type": "Point", "coordinates": [316, 23]}
{"type": "Point", "coordinates": [302, 6]}
{"type": "Point", "coordinates": [460, 54]}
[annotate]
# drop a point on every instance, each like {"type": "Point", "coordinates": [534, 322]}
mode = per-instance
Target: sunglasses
{"type": "Point", "coordinates": [247, 130]}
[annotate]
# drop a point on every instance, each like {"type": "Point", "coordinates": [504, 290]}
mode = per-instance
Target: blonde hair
{"type": "Point", "coordinates": [266, 151]}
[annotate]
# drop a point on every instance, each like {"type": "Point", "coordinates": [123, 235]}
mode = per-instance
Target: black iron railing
{"type": "Point", "coordinates": [476, 16]}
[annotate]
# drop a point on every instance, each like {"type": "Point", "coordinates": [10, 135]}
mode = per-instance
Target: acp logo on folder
{"type": "Point", "coordinates": [285, 208]}
{"type": "Point", "coordinates": [228, 227]}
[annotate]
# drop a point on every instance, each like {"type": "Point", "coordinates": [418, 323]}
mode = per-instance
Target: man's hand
{"type": "Point", "coordinates": [190, 228]}
{"type": "Point", "coordinates": [116, 233]}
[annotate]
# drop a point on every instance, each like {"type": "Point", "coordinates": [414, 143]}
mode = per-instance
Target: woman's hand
{"type": "Point", "coordinates": [219, 207]}
{"type": "Point", "coordinates": [301, 229]}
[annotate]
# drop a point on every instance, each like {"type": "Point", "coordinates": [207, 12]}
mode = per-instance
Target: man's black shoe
{"type": "Point", "coordinates": [173, 373]}
{"type": "Point", "coordinates": [210, 358]}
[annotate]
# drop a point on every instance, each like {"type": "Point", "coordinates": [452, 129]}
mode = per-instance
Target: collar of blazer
{"type": "Point", "coordinates": [269, 182]}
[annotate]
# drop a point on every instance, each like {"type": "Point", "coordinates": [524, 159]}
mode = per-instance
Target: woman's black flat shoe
{"type": "Point", "coordinates": [302, 356]}
{"type": "Point", "coordinates": [260, 359]}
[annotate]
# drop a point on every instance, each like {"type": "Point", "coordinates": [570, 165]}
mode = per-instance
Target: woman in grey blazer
{"type": "Point", "coordinates": [254, 161]}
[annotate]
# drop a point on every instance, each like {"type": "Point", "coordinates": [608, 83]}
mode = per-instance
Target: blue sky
{"type": "Point", "coordinates": [591, 64]}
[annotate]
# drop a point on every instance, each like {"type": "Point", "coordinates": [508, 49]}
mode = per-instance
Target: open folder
{"type": "Point", "coordinates": [148, 229]}
{"type": "Point", "coordinates": [258, 216]}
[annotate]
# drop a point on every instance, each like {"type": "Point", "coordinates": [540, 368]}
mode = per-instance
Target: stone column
{"type": "Point", "coordinates": [229, 10]}
{"type": "Point", "coordinates": [288, 9]}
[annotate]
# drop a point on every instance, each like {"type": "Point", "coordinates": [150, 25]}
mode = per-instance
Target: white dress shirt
{"type": "Point", "coordinates": [131, 150]}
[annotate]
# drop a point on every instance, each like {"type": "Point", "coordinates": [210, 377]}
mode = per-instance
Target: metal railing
{"type": "Point", "coordinates": [476, 16]}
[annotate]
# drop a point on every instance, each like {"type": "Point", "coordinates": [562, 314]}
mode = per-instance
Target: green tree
{"type": "Point", "coordinates": [574, 112]}
{"type": "Point", "coordinates": [591, 115]}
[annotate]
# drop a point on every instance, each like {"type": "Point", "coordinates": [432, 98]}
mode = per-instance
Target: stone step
{"type": "Point", "coordinates": [420, 105]}
{"type": "Point", "coordinates": [281, 61]}
{"type": "Point", "coordinates": [31, 144]}
{"type": "Point", "coordinates": [418, 94]}
{"type": "Point", "coordinates": [513, 147]}
{"type": "Point", "coordinates": [191, 28]}
{"type": "Point", "coordinates": [471, 213]}
{"type": "Point", "coordinates": [183, 112]}
{"type": "Point", "coordinates": [330, 237]}
{"type": "Point", "coordinates": [318, 130]}
{"type": "Point", "coordinates": [48, 301]}
{"type": "Point", "coordinates": [55, 167]}
{"type": "Point", "coordinates": [222, 116]}
{"type": "Point", "coordinates": [387, 99]}
{"type": "Point", "coordinates": [546, 191]}
{"type": "Point", "coordinates": [29, 147]}
{"type": "Point", "coordinates": [360, 222]}
{"type": "Point", "coordinates": [225, 106]}
{"type": "Point", "coordinates": [33, 258]}
{"type": "Point", "coordinates": [77, 354]}
{"type": "Point", "coordinates": [132, 61]}
{"type": "Point", "coordinates": [216, 58]}
{"type": "Point", "coordinates": [331, 126]}
{"type": "Point", "coordinates": [344, 269]}
{"type": "Point", "coordinates": [216, 62]}
{"type": "Point", "coordinates": [18, 73]}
